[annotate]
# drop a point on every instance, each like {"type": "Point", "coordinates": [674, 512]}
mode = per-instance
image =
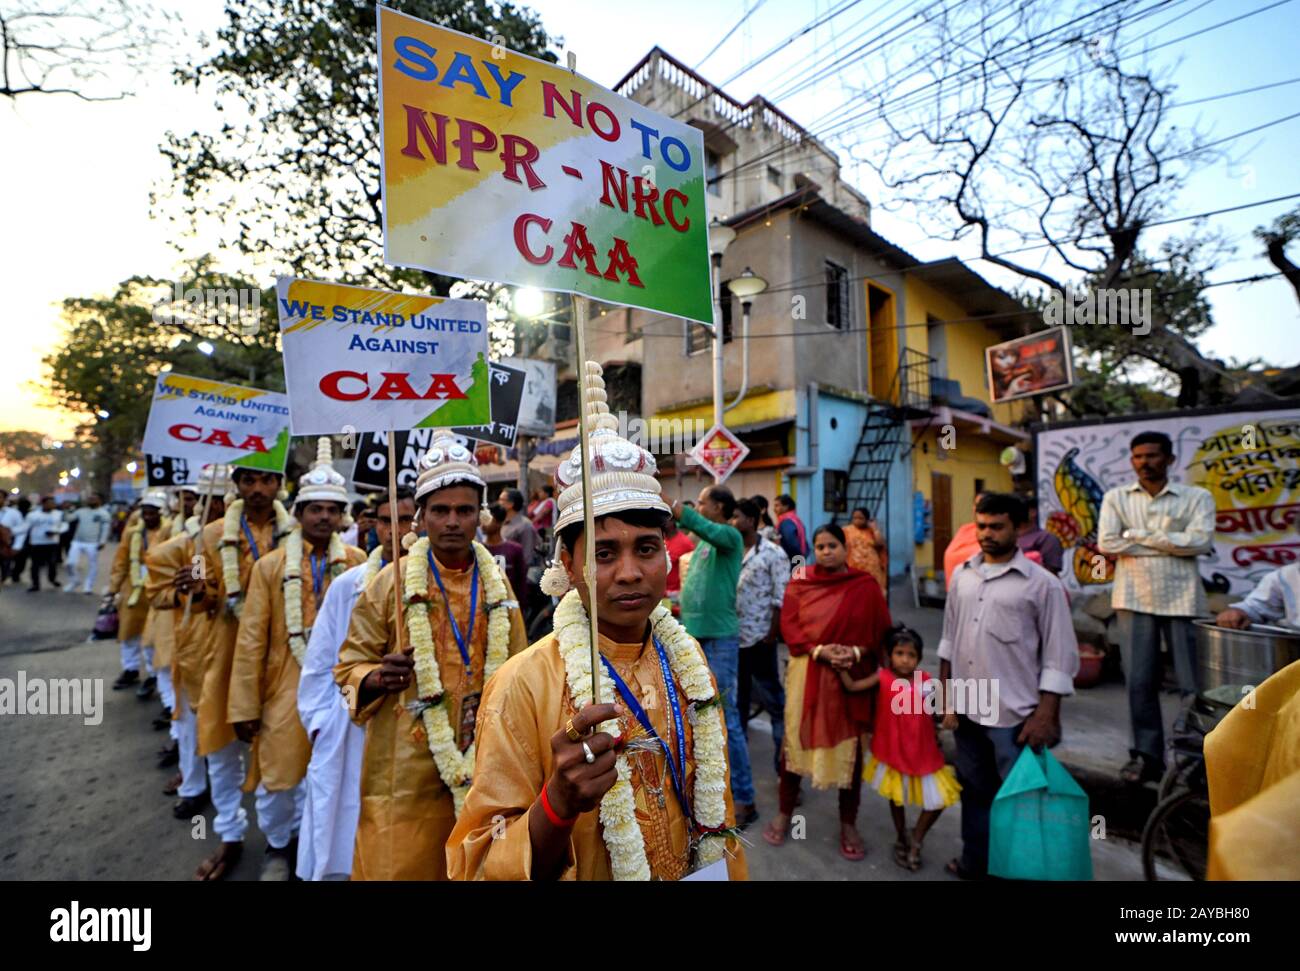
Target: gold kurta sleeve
{"type": "Point", "coordinates": [253, 640]}
{"type": "Point", "coordinates": [163, 563]}
{"type": "Point", "coordinates": [219, 649]}
{"type": "Point", "coordinates": [525, 705]}
{"type": "Point", "coordinates": [370, 632]}
{"type": "Point", "coordinates": [121, 562]}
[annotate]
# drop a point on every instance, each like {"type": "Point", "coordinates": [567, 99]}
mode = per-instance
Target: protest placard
{"type": "Point", "coordinates": [164, 472]}
{"type": "Point", "coordinates": [370, 465]}
{"type": "Point", "coordinates": [499, 166]}
{"type": "Point", "coordinates": [357, 359]}
{"type": "Point", "coordinates": [507, 393]}
{"type": "Point", "coordinates": [201, 421]}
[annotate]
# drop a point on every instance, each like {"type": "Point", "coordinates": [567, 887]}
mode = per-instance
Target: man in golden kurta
{"type": "Point", "coordinates": [284, 595]}
{"type": "Point", "coordinates": [252, 526]}
{"type": "Point", "coordinates": [127, 586]}
{"type": "Point", "coordinates": [408, 806]}
{"type": "Point", "coordinates": [180, 627]}
{"type": "Point", "coordinates": [542, 770]}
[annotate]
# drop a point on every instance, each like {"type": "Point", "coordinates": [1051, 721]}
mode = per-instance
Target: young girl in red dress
{"type": "Point", "coordinates": [906, 764]}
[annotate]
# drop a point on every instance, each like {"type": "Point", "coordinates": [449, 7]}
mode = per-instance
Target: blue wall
{"type": "Point", "coordinates": [835, 447]}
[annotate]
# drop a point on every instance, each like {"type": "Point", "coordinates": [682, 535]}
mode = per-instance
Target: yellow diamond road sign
{"type": "Point", "coordinates": [721, 452]}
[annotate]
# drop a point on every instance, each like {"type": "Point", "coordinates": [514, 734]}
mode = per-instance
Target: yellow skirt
{"type": "Point", "coordinates": [938, 790]}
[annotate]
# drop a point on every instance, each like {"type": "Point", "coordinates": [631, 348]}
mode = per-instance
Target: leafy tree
{"type": "Point", "coordinates": [303, 80]}
{"type": "Point", "coordinates": [34, 462]}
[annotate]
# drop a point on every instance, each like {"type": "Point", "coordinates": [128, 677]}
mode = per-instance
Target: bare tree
{"type": "Point", "coordinates": [91, 49]}
{"type": "Point", "coordinates": [1276, 238]}
{"type": "Point", "coordinates": [1044, 141]}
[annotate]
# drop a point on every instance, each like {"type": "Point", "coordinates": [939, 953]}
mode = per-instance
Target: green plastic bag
{"type": "Point", "coordinates": [1038, 826]}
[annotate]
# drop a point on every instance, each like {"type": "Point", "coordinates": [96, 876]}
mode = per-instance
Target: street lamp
{"type": "Point", "coordinates": [102, 413]}
{"type": "Point", "coordinates": [746, 287]}
{"type": "Point", "coordinates": [206, 347]}
{"type": "Point", "coordinates": [131, 467]}
{"type": "Point", "coordinates": [529, 301]}
{"type": "Point", "coordinates": [720, 237]}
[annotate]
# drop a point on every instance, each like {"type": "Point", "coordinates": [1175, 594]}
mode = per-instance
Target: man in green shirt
{"type": "Point", "coordinates": [708, 603]}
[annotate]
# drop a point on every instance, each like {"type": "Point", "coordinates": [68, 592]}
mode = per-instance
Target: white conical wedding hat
{"type": "Point", "coordinates": [448, 462]}
{"type": "Point", "coordinates": [323, 483]}
{"type": "Point", "coordinates": [622, 474]}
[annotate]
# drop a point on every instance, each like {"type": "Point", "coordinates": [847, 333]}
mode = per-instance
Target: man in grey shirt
{"type": "Point", "coordinates": [89, 526]}
{"type": "Point", "coordinates": [1009, 643]}
{"type": "Point", "coordinates": [518, 528]}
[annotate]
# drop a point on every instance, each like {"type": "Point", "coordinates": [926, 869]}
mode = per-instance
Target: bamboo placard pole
{"type": "Point", "coordinates": [588, 509]}
{"type": "Point", "coordinates": [203, 521]}
{"type": "Point", "coordinates": [397, 537]}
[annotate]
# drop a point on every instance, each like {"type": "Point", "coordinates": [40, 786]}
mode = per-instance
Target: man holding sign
{"type": "Point", "coordinates": [284, 594]}
{"type": "Point", "coordinates": [416, 690]}
{"type": "Point", "coordinates": [633, 789]}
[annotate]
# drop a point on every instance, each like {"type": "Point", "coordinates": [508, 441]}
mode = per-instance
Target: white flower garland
{"type": "Point", "coordinates": [374, 563]}
{"type": "Point", "coordinates": [456, 768]}
{"type": "Point", "coordinates": [293, 589]}
{"type": "Point", "coordinates": [229, 548]}
{"type": "Point", "coordinates": [623, 838]}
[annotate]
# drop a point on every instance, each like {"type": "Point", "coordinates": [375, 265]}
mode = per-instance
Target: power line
{"type": "Point", "coordinates": [727, 36]}
{"type": "Point", "coordinates": [984, 318]}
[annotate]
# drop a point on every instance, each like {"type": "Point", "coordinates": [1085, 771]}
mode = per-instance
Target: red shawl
{"type": "Point", "coordinates": [834, 608]}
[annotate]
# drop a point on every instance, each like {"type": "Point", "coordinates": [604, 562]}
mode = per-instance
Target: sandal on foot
{"type": "Point", "coordinates": [850, 852]}
{"type": "Point", "coordinates": [914, 857]}
{"type": "Point", "coordinates": [900, 853]}
{"type": "Point", "coordinates": [955, 868]}
{"type": "Point", "coordinates": [1138, 770]}
{"type": "Point", "coordinates": [220, 863]}
{"type": "Point", "coordinates": [774, 836]}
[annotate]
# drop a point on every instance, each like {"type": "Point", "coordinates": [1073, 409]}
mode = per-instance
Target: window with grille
{"type": "Point", "coordinates": [712, 167]}
{"type": "Point", "coordinates": [837, 295]}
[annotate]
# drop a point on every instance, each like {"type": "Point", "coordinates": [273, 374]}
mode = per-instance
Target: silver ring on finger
{"type": "Point", "coordinates": [588, 754]}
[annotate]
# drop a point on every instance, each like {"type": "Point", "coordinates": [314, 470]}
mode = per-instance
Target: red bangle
{"type": "Point", "coordinates": [555, 818]}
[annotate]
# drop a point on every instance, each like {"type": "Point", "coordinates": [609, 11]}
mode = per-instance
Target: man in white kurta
{"type": "Point", "coordinates": [333, 805]}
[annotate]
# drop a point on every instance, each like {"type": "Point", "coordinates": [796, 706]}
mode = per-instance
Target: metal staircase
{"type": "Point", "coordinates": [885, 429]}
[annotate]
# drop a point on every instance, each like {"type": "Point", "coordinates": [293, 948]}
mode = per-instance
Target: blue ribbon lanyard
{"type": "Point", "coordinates": [248, 534]}
{"type": "Point", "coordinates": [677, 768]}
{"type": "Point", "coordinates": [318, 576]}
{"type": "Point", "coordinates": [462, 641]}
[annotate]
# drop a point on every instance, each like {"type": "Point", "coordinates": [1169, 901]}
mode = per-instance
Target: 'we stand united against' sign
{"type": "Point", "coordinates": [200, 421]}
{"type": "Point", "coordinates": [370, 360]}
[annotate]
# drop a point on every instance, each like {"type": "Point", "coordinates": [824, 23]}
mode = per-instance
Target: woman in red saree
{"type": "Point", "coordinates": [833, 618]}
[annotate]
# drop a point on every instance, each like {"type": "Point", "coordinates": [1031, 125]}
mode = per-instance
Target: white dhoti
{"type": "Point", "coordinates": [333, 783]}
{"type": "Point", "coordinates": [226, 776]}
{"type": "Point", "coordinates": [185, 729]}
{"type": "Point", "coordinates": [279, 814]}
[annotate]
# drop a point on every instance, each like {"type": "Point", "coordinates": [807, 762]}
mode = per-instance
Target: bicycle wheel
{"type": "Point", "coordinates": [1178, 832]}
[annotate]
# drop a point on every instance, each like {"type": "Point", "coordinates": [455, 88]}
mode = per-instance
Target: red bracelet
{"type": "Point", "coordinates": [555, 818]}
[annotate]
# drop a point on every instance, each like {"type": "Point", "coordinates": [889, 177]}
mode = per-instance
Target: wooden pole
{"type": "Point", "coordinates": [588, 508]}
{"type": "Point", "coordinates": [397, 539]}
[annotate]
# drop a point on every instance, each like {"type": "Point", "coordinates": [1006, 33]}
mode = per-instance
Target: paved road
{"type": "Point", "coordinates": [84, 801]}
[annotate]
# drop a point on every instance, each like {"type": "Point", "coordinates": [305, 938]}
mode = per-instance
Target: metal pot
{"type": "Point", "coordinates": [1231, 662]}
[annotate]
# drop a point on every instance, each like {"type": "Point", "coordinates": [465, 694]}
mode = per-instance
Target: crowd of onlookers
{"type": "Point", "coordinates": [40, 536]}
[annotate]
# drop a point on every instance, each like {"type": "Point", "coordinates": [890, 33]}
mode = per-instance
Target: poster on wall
{"type": "Point", "coordinates": [1034, 364]}
{"type": "Point", "coordinates": [1249, 460]}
